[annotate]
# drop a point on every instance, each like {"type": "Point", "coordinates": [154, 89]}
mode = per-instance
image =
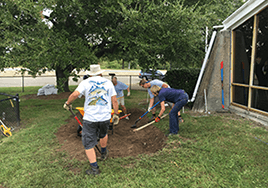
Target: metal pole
{"type": "Point", "coordinates": [18, 109]}
{"type": "Point", "coordinates": [22, 78]}
{"type": "Point", "coordinates": [130, 82]}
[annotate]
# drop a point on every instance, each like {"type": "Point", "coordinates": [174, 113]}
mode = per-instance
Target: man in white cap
{"type": "Point", "coordinates": [100, 95]}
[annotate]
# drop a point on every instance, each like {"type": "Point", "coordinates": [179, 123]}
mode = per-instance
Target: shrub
{"type": "Point", "coordinates": [183, 78]}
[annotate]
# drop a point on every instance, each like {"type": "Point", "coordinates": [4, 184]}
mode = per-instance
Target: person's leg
{"type": "Point", "coordinates": [173, 116]}
{"type": "Point", "coordinates": [103, 141]}
{"type": "Point", "coordinates": [89, 140]}
{"type": "Point", "coordinates": [91, 155]}
{"type": "Point", "coordinates": [173, 120]}
{"type": "Point", "coordinates": [104, 126]}
{"type": "Point", "coordinates": [171, 105]}
{"type": "Point", "coordinates": [123, 107]}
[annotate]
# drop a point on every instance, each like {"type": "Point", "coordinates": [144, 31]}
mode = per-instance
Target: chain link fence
{"type": "Point", "coordinates": [9, 110]}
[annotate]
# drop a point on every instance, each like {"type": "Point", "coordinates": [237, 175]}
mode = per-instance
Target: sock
{"type": "Point", "coordinates": [103, 150]}
{"type": "Point", "coordinates": [94, 164]}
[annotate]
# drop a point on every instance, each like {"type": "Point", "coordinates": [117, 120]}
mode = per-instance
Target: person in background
{"type": "Point", "coordinates": [119, 88]}
{"type": "Point", "coordinates": [100, 95]}
{"type": "Point", "coordinates": [176, 96]}
{"type": "Point", "coordinates": [154, 99]}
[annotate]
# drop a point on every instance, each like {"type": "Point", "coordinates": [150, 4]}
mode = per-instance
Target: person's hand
{"type": "Point", "coordinates": [157, 119]}
{"type": "Point", "coordinates": [115, 119]}
{"type": "Point", "coordinates": [128, 93]}
{"type": "Point", "coordinates": [149, 109]}
{"type": "Point", "coordinates": [67, 106]}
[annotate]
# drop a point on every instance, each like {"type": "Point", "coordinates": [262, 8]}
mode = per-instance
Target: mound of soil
{"type": "Point", "coordinates": [122, 141]}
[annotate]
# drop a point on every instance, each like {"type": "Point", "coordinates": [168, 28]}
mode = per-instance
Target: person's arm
{"type": "Point", "coordinates": [72, 97]}
{"type": "Point", "coordinates": [162, 104]}
{"type": "Point", "coordinates": [115, 104]}
{"type": "Point", "coordinates": [128, 92]}
{"type": "Point", "coordinates": [151, 102]}
{"type": "Point", "coordinates": [164, 85]}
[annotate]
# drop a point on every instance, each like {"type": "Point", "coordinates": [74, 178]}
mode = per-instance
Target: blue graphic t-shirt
{"type": "Point", "coordinates": [120, 86]}
{"type": "Point", "coordinates": [98, 92]}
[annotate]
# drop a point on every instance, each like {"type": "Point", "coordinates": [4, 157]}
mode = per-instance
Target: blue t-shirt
{"type": "Point", "coordinates": [171, 95]}
{"type": "Point", "coordinates": [155, 82]}
{"type": "Point", "coordinates": [120, 86]}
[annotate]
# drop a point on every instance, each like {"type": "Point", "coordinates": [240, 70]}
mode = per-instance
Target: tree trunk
{"type": "Point", "coordinates": [62, 81]}
{"type": "Point", "coordinates": [123, 64]}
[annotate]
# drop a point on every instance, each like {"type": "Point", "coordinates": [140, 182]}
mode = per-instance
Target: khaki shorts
{"type": "Point", "coordinates": [121, 101]}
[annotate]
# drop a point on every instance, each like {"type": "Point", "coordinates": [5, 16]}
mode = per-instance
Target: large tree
{"type": "Point", "coordinates": [82, 31]}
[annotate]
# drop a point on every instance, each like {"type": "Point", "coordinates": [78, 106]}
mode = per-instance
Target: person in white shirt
{"type": "Point", "coordinates": [100, 95]}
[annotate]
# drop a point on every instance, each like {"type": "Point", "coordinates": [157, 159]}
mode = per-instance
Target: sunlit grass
{"type": "Point", "coordinates": [220, 150]}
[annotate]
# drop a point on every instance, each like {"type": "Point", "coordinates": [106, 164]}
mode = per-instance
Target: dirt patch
{"type": "Point", "coordinates": [63, 95]}
{"type": "Point", "coordinates": [122, 142]}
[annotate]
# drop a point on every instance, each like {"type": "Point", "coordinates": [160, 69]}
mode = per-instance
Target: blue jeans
{"type": "Point", "coordinates": [173, 114]}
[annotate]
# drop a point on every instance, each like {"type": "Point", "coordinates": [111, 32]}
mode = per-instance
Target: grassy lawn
{"type": "Point", "coordinates": [220, 150]}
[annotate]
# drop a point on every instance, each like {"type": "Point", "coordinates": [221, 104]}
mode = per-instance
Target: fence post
{"type": "Point", "coordinates": [18, 109]}
{"type": "Point", "coordinates": [130, 82]}
{"type": "Point", "coordinates": [22, 80]}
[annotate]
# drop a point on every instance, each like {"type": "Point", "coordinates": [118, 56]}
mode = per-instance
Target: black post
{"type": "Point", "coordinates": [112, 75]}
{"type": "Point", "coordinates": [130, 82]}
{"type": "Point", "coordinates": [18, 109]}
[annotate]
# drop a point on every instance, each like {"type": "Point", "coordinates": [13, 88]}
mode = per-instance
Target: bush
{"type": "Point", "coordinates": [183, 78]}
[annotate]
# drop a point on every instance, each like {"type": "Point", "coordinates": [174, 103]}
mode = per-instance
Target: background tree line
{"type": "Point", "coordinates": [82, 32]}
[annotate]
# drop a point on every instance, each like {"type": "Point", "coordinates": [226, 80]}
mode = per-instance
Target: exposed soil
{"type": "Point", "coordinates": [122, 142]}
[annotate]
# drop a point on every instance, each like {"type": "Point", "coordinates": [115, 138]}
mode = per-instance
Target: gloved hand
{"type": "Point", "coordinates": [157, 119]}
{"type": "Point", "coordinates": [128, 93]}
{"type": "Point", "coordinates": [67, 106]}
{"type": "Point", "coordinates": [115, 119]}
{"type": "Point", "coordinates": [149, 109]}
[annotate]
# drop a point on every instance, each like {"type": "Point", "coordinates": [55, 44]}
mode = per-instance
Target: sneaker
{"type": "Point", "coordinates": [127, 118]}
{"type": "Point", "coordinates": [170, 134]}
{"type": "Point", "coordinates": [104, 155]}
{"type": "Point", "coordinates": [93, 171]}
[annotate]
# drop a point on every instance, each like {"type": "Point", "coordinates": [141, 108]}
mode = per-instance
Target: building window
{"type": "Point", "coordinates": [250, 64]}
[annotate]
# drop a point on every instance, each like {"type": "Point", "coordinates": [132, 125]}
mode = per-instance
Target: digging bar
{"type": "Point", "coordinates": [146, 125]}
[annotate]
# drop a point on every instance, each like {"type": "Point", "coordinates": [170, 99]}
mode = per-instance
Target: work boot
{"type": "Point", "coordinates": [93, 171]}
{"type": "Point", "coordinates": [104, 155]}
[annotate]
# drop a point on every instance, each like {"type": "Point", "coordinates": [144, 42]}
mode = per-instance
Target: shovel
{"type": "Point", "coordinates": [134, 126]}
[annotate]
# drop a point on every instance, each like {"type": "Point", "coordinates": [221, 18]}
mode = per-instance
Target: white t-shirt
{"type": "Point", "coordinates": [98, 92]}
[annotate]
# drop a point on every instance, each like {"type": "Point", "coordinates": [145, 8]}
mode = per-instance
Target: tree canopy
{"type": "Point", "coordinates": [83, 31]}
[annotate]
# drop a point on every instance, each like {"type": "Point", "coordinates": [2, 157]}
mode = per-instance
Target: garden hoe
{"type": "Point", "coordinates": [134, 126]}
